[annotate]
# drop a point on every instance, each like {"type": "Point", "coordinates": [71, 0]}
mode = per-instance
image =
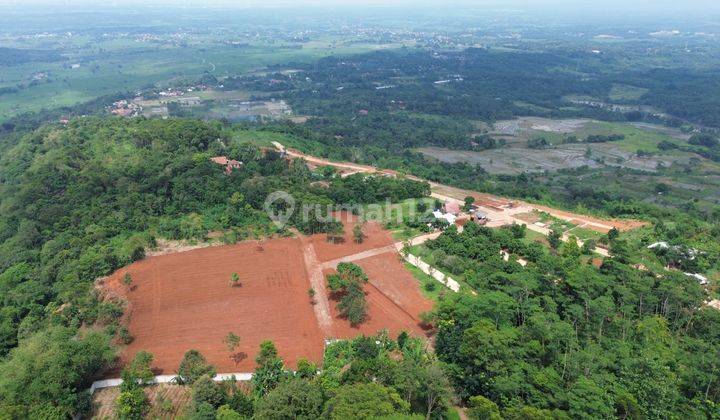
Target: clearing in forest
{"type": "Point", "coordinates": [188, 301]}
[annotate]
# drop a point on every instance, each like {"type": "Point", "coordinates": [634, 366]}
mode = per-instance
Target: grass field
{"type": "Point", "coordinates": [622, 93]}
{"type": "Point", "coordinates": [532, 236]}
{"type": "Point", "coordinates": [265, 139]}
{"type": "Point", "coordinates": [431, 288]}
{"type": "Point", "coordinates": [583, 233]}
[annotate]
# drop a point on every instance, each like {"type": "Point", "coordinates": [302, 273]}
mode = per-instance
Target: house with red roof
{"type": "Point", "coordinates": [229, 164]}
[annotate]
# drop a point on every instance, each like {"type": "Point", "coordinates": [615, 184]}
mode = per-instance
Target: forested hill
{"type": "Point", "coordinates": [82, 200]}
{"type": "Point", "coordinates": [78, 202]}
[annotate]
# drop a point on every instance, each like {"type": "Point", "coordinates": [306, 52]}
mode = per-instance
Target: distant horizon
{"type": "Point", "coordinates": [649, 6]}
{"type": "Point", "coordinates": [664, 14]}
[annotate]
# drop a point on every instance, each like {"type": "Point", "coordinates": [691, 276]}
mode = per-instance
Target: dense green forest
{"type": "Point", "coordinates": [82, 200]}
{"type": "Point", "coordinates": [13, 56]}
{"type": "Point", "coordinates": [691, 95]}
{"type": "Point", "coordinates": [566, 188]}
{"type": "Point", "coordinates": [560, 338]}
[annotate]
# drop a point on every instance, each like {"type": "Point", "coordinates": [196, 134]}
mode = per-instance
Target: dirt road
{"type": "Point", "coordinates": [500, 211]}
{"type": "Point", "coordinates": [317, 281]}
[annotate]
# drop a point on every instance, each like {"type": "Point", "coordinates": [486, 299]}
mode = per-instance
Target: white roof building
{"type": "Point", "coordinates": [661, 245]}
{"type": "Point", "coordinates": [446, 216]}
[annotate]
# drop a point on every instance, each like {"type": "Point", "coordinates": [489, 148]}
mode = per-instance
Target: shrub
{"type": "Point", "coordinates": [205, 390]}
{"type": "Point", "coordinates": [227, 413]}
{"type": "Point", "coordinates": [124, 336]}
{"type": "Point", "coordinates": [132, 404]}
{"type": "Point", "coordinates": [138, 372]}
{"type": "Point", "coordinates": [270, 369]}
{"type": "Point", "coordinates": [538, 143]}
{"type": "Point", "coordinates": [202, 411]}
{"type": "Point", "coordinates": [294, 399]}
{"type": "Point", "coordinates": [364, 401]}
{"type": "Point", "coordinates": [193, 366]}
{"type": "Point", "coordinates": [454, 264]}
{"type": "Point", "coordinates": [483, 408]}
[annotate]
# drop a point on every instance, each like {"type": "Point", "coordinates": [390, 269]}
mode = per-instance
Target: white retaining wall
{"type": "Point", "coordinates": [166, 379]}
{"type": "Point", "coordinates": [426, 268]}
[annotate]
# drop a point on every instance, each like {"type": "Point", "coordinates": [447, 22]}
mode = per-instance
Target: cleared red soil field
{"type": "Point", "coordinates": [184, 301]}
{"type": "Point", "coordinates": [388, 273]}
{"type": "Point", "coordinates": [375, 237]}
{"type": "Point", "coordinates": [394, 300]}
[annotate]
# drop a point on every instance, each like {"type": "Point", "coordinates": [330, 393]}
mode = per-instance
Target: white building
{"type": "Point", "coordinates": [450, 218]}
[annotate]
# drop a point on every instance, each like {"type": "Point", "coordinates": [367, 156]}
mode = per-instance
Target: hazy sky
{"type": "Point", "coordinates": [635, 4]}
{"type": "Point", "coordinates": [698, 11]}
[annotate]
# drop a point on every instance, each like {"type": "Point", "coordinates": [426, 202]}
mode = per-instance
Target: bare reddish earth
{"type": "Point", "coordinates": [393, 298]}
{"type": "Point", "coordinates": [388, 273]}
{"type": "Point", "coordinates": [184, 301]}
{"type": "Point", "coordinates": [375, 237]}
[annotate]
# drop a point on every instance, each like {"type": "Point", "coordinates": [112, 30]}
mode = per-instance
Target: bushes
{"type": "Point", "coordinates": [132, 404]}
{"type": "Point", "coordinates": [205, 390]}
{"type": "Point", "coordinates": [363, 188]}
{"type": "Point", "coordinates": [108, 313]}
{"type": "Point", "coordinates": [538, 143]}
{"type": "Point", "coordinates": [212, 400]}
{"type": "Point", "coordinates": [124, 336]}
{"type": "Point", "coordinates": [270, 370]}
{"type": "Point", "coordinates": [138, 372]}
{"type": "Point", "coordinates": [598, 138]}
{"type": "Point", "coordinates": [227, 413]}
{"type": "Point", "coordinates": [481, 408]}
{"type": "Point", "coordinates": [364, 401]}
{"type": "Point", "coordinates": [454, 263]}
{"type": "Point", "coordinates": [705, 140]}
{"type": "Point", "coordinates": [565, 327]}
{"type": "Point", "coordinates": [295, 399]}
{"type": "Point", "coordinates": [193, 366]}
{"type": "Point", "coordinates": [364, 377]}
